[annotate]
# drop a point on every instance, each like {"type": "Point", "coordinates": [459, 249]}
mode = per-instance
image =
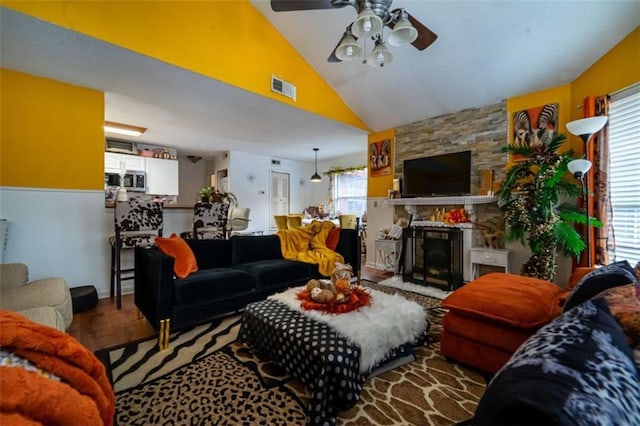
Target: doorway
{"type": "Point", "coordinates": [279, 195]}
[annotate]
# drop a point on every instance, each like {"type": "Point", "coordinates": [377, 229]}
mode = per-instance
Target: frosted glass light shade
{"type": "Point", "coordinates": [579, 167]}
{"type": "Point", "coordinates": [403, 33]}
{"type": "Point", "coordinates": [348, 49]}
{"type": "Point", "coordinates": [380, 55]}
{"type": "Point", "coordinates": [367, 24]}
{"type": "Point", "coordinates": [586, 126]}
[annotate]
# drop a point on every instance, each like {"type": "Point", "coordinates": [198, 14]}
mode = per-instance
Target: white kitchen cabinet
{"type": "Point", "coordinates": [162, 176]}
{"type": "Point", "coordinates": [113, 162]}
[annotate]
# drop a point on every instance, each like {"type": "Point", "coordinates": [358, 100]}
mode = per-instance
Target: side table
{"type": "Point", "coordinates": [487, 256]}
{"type": "Point", "coordinates": [387, 254]}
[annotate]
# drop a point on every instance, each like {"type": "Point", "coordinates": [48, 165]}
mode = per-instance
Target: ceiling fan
{"type": "Point", "coordinates": [373, 16]}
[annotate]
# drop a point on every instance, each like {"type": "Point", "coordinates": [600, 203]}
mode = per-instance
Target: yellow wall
{"type": "Point", "coordinates": [617, 69]}
{"type": "Point", "coordinates": [51, 134]}
{"type": "Point", "coordinates": [229, 41]}
{"type": "Point", "coordinates": [380, 185]}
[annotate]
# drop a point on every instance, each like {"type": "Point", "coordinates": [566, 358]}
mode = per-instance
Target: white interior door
{"type": "Point", "coordinates": [279, 195]}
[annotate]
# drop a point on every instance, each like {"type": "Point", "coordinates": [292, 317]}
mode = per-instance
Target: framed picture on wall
{"type": "Point", "coordinates": [531, 125]}
{"type": "Point", "coordinates": [380, 158]}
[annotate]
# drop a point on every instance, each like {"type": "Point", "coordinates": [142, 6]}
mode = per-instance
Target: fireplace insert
{"type": "Point", "coordinates": [433, 257]}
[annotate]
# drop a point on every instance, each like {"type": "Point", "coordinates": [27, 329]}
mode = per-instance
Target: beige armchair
{"type": "Point", "coordinates": [45, 301]}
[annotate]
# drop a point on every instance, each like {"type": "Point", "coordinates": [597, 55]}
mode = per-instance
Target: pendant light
{"type": "Point", "coordinates": [316, 177]}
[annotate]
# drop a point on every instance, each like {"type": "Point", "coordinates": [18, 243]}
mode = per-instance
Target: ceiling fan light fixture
{"type": "Point", "coordinates": [403, 32]}
{"type": "Point", "coordinates": [380, 55]}
{"type": "Point", "coordinates": [348, 48]}
{"type": "Point", "coordinates": [367, 24]}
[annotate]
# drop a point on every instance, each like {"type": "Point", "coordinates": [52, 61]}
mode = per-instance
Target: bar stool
{"type": "Point", "coordinates": [133, 220]}
{"type": "Point", "coordinates": [209, 221]}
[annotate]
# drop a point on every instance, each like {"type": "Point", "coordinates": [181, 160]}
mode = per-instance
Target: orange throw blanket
{"type": "Point", "coordinates": [308, 244]}
{"type": "Point", "coordinates": [83, 396]}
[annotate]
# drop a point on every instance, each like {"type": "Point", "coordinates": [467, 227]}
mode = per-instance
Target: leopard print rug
{"type": "Point", "coordinates": [206, 377]}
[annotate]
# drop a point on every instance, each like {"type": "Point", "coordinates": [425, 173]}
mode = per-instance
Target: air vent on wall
{"type": "Point", "coordinates": [282, 87]}
{"type": "Point", "coordinates": [275, 162]}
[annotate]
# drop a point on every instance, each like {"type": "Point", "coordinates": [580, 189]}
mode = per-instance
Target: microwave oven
{"type": "Point", "coordinates": [133, 181]}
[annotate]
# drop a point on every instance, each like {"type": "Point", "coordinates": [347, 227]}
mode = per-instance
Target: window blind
{"type": "Point", "coordinates": [624, 174]}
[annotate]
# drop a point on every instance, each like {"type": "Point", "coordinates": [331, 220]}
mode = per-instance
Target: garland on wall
{"type": "Point", "coordinates": [339, 170]}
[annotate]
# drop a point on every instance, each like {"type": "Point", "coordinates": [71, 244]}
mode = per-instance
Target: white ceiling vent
{"type": "Point", "coordinates": [287, 89]}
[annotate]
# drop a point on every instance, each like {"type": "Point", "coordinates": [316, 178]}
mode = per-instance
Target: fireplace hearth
{"type": "Point", "coordinates": [433, 257]}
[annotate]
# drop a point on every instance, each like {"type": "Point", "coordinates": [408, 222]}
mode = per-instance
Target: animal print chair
{"type": "Point", "coordinates": [134, 219]}
{"type": "Point", "coordinates": [209, 221]}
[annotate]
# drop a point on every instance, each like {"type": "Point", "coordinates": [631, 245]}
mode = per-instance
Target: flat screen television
{"type": "Point", "coordinates": [438, 175]}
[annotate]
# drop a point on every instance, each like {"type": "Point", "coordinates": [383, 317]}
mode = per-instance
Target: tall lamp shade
{"type": "Point", "coordinates": [579, 167]}
{"type": "Point", "coordinates": [585, 128]}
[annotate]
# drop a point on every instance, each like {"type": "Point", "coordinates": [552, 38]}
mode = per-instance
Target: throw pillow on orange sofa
{"type": "Point", "coordinates": [184, 259]}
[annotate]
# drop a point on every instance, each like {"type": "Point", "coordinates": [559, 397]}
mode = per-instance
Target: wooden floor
{"type": "Point", "coordinates": [105, 326]}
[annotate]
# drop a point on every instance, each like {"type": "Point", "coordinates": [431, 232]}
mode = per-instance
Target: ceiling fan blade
{"type": "Point", "coordinates": [291, 5]}
{"type": "Point", "coordinates": [425, 35]}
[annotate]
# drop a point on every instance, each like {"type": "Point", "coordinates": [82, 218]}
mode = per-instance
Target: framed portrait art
{"type": "Point", "coordinates": [380, 158]}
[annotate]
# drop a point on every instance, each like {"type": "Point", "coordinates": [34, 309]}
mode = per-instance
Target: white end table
{"type": "Point", "coordinates": [487, 256]}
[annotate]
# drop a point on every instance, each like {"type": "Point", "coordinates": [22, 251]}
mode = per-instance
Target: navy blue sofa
{"type": "Point", "coordinates": [231, 273]}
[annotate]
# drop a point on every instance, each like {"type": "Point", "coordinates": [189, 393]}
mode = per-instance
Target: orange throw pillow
{"type": "Point", "coordinates": [333, 238]}
{"type": "Point", "coordinates": [184, 260]}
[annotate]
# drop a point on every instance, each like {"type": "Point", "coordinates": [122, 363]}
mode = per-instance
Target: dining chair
{"type": "Point", "coordinates": [281, 221]}
{"type": "Point", "coordinates": [238, 220]}
{"type": "Point", "coordinates": [294, 221]}
{"type": "Point", "coordinates": [348, 221]}
{"type": "Point", "coordinates": [134, 221]}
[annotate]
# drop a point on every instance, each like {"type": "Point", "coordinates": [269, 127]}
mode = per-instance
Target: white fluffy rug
{"type": "Point", "coordinates": [389, 322]}
{"type": "Point", "coordinates": [396, 281]}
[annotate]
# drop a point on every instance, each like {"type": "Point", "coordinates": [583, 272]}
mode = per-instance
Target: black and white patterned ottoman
{"type": "Point", "coordinates": [315, 353]}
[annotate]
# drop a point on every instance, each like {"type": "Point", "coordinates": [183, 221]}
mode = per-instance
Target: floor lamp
{"type": "Point", "coordinates": [579, 168]}
{"type": "Point", "coordinates": [585, 128]}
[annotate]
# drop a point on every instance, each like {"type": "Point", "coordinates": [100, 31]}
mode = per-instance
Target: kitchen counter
{"type": "Point", "coordinates": [166, 206]}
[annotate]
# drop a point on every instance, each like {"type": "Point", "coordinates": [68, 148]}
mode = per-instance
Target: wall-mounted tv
{"type": "Point", "coordinates": [438, 175]}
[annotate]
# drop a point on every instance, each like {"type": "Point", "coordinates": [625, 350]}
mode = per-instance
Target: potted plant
{"type": "Point", "coordinates": [205, 194]}
{"type": "Point", "coordinates": [530, 197]}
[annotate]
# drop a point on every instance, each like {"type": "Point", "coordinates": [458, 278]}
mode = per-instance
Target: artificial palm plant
{"type": "Point", "coordinates": [530, 196]}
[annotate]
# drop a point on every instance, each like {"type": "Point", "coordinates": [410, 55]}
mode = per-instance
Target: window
{"type": "Point", "coordinates": [624, 174]}
{"type": "Point", "coordinates": [350, 192]}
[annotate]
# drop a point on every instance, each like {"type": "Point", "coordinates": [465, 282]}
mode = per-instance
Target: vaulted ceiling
{"type": "Point", "coordinates": [486, 51]}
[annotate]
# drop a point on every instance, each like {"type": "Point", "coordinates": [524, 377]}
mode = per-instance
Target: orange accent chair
{"type": "Point", "coordinates": [490, 317]}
